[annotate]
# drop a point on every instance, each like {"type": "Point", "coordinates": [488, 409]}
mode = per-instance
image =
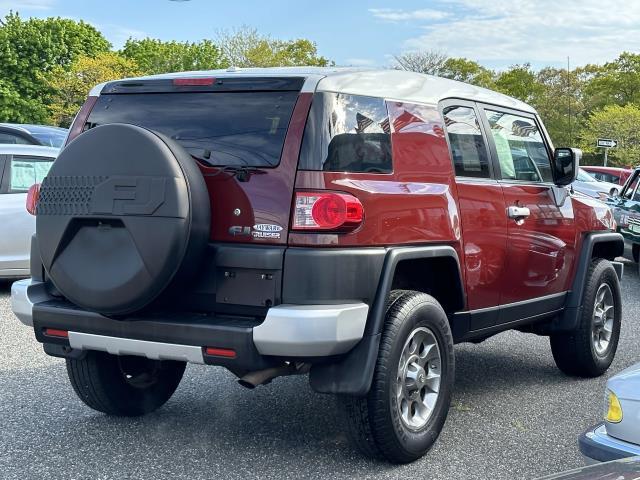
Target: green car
{"type": "Point", "coordinates": [626, 210]}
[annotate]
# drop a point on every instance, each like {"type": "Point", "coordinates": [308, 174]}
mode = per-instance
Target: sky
{"type": "Point", "coordinates": [497, 33]}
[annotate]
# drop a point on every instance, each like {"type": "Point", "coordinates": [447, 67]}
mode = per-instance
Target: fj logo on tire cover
{"type": "Point", "coordinates": [129, 196]}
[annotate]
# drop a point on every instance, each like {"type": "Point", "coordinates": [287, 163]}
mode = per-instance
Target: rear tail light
{"type": "Point", "coordinates": [327, 211]}
{"type": "Point", "coordinates": [77, 127]}
{"type": "Point", "coordinates": [33, 195]}
{"type": "Point", "coordinates": [193, 82]}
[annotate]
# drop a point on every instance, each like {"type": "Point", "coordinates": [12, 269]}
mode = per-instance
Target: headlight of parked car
{"type": "Point", "coordinates": [613, 409]}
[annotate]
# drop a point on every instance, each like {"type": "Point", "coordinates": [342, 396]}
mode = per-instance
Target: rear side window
{"type": "Point", "coordinates": [468, 150]}
{"type": "Point", "coordinates": [10, 138]}
{"type": "Point", "coordinates": [221, 128]}
{"type": "Point", "coordinates": [24, 171]}
{"type": "Point", "coordinates": [347, 133]}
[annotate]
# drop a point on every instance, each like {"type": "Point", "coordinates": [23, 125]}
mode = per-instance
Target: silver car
{"type": "Point", "coordinates": [590, 186]}
{"type": "Point", "coordinates": [20, 167]}
{"type": "Point", "coordinates": [619, 435]}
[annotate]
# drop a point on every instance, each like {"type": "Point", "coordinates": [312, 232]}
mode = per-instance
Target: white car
{"type": "Point", "coordinates": [588, 185]}
{"type": "Point", "coordinates": [20, 167]}
{"type": "Point", "coordinates": [619, 435]}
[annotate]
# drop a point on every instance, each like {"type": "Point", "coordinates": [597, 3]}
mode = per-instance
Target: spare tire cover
{"type": "Point", "coordinates": [123, 213]}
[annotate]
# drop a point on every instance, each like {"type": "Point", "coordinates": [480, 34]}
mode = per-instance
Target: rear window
{"type": "Point", "coordinates": [222, 128]}
{"type": "Point", "coordinates": [347, 133]}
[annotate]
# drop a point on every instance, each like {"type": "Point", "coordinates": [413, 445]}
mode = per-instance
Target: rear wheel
{"type": "Point", "coordinates": [123, 385]}
{"type": "Point", "coordinates": [403, 413]}
{"type": "Point", "coordinates": [589, 350]}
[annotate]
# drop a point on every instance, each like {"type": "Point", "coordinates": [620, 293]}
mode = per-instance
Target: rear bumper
{"type": "Point", "coordinates": [288, 331]}
{"type": "Point", "coordinates": [596, 444]}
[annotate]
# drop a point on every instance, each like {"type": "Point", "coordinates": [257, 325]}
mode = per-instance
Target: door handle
{"type": "Point", "coordinates": [518, 213]}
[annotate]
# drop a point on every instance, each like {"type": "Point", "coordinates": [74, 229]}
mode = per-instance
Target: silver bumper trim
{"type": "Point", "coordinates": [311, 330]}
{"type": "Point", "coordinates": [288, 330]}
{"type": "Point", "coordinates": [24, 294]}
{"type": "Point", "coordinates": [140, 348]}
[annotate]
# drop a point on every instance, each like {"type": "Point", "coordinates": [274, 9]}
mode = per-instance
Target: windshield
{"type": "Point", "coordinates": [51, 139]}
{"type": "Point", "coordinates": [234, 129]}
{"type": "Point", "coordinates": [585, 177]}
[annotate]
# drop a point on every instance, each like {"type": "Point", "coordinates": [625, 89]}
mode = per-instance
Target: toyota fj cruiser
{"type": "Point", "coordinates": [349, 224]}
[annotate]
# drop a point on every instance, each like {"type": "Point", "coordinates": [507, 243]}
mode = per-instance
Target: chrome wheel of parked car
{"type": "Point", "coordinates": [603, 318]}
{"type": "Point", "coordinates": [418, 382]}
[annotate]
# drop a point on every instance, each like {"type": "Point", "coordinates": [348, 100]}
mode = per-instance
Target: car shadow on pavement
{"type": "Point", "coordinates": [211, 420]}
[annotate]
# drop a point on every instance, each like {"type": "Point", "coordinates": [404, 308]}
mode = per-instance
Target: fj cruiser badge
{"type": "Point", "coordinates": [260, 230]}
{"type": "Point", "coordinates": [266, 230]}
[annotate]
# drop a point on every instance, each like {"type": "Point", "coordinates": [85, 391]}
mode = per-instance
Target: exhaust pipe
{"type": "Point", "coordinates": [260, 377]}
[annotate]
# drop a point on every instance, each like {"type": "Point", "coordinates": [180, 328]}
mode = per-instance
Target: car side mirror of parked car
{"type": "Point", "coordinates": [566, 162]}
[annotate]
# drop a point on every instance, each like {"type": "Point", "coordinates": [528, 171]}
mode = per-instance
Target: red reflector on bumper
{"type": "Point", "coordinates": [54, 332]}
{"type": "Point", "coordinates": [220, 352]}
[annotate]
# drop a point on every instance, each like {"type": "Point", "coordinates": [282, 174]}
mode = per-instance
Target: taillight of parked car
{"type": "Point", "coordinates": [78, 125]}
{"type": "Point", "coordinates": [33, 195]}
{"type": "Point", "coordinates": [327, 211]}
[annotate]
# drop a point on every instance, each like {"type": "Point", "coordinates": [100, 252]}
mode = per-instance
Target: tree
{"type": "Point", "coordinates": [245, 47]}
{"type": "Point", "coordinates": [617, 122]}
{"type": "Point", "coordinates": [519, 82]}
{"type": "Point", "coordinates": [155, 56]}
{"type": "Point", "coordinates": [29, 51]}
{"type": "Point", "coordinates": [430, 62]}
{"type": "Point", "coordinates": [558, 100]}
{"type": "Point", "coordinates": [72, 86]}
{"type": "Point", "coordinates": [616, 82]}
{"type": "Point", "coordinates": [468, 71]}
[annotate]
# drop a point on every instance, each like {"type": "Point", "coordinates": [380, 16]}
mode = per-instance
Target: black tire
{"type": "Point", "coordinates": [123, 385]}
{"type": "Point", "coordinates": [635, 252]}
{"type": "Point", "coordinates": [575, 352]}
{"type": "Point", "coordinates": [123, 217]}
{"type": "Point", "coordinates": [373, 422]}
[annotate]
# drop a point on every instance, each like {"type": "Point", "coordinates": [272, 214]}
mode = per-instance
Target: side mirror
{"type": "Point", "coordinates": [566, 162]}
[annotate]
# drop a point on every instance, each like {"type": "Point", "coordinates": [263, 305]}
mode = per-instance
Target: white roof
{"type": "Point", "coordinates": [390, 84]}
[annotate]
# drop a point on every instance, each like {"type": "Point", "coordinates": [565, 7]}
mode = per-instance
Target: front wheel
{"type": "Point", "coordinates": [123, 385]}
{"type": "Point", "coordinates": [403, 413]}
{"type": "Point", "coordinates": [589, 350]}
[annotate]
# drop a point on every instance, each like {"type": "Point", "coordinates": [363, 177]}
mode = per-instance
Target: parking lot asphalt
{"type": "Point", "coordinates": [514, 415]}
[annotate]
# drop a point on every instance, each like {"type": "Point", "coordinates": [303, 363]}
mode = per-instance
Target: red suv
{"type": "Point", "coordinates": [609, 174]}
{"type": "Point", "coordinates": [349, 224]}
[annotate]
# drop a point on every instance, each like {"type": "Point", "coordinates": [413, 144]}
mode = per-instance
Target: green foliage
{"type": "Point", "coordinates": [559, 103]}
{"type": "Point", "coordinates": [616, 82]}
{"type": "Point", "coordinates": [245, 47]}
{"type": "Point", "coordinates": [519, 82]}
{"type": "Point", "coordinates": [155, 56]}
{"type": "Point", "coordinates": [70, 87]}
{"type": "Point", "coordinates": [617, 122]}
{"type": "Point", "coordinates": [468, 71]}
{"type": "Point", "coordinates": [29, 51]}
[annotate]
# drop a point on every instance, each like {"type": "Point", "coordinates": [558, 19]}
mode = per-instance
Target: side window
{"type": "Point", "coordinates": [630, 187]}
{"type": "Point", "coordinates": [24, 171]}
{"type": "Point", "coordinates": [10, 138]}
{"type": "Point", "coordinates": [470, 158]}
{"type": "Point", "coordinates": [522, 154]}
{"type": "Point", "coordinates": [347, 133]}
